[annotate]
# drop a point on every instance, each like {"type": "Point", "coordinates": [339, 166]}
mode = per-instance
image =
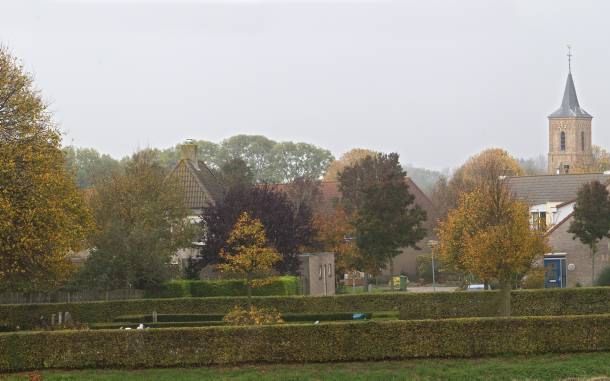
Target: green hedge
{"type": "Point", "coordinates": [574, 301]}
{"type": "Point", "coordinates": [143, 318]}
{"type": "Point", "coordinates": [281, 286]}
{"type": "Point", "coordinates": [181, 347]}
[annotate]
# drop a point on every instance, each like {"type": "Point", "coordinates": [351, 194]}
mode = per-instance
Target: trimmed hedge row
{"type": "Point", "coordinates": [162, 318]}
{"type": "Point", "coordinates": [282, 286]}
{"type": "Point", "coordinates": [576, 301]}
{"type": "Point", "coordinates": [303, 343]}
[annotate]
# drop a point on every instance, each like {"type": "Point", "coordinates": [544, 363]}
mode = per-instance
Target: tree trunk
{"type": "Point", "coordinates": [505, 291]}
{"type": "Point", "coordinates": [391, 274]}
{"type": "Point", "coordinates": [593, 252]}
{"type": "Point", "coordinates": [249, 289]}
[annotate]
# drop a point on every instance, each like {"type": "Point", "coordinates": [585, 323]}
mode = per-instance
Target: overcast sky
{"type": "Point", "coordinates": [435, 81]}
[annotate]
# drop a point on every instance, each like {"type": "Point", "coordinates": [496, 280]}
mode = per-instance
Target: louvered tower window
{"type": "Point", "coordinates": [562, 140]}
{"type": "Point", "coordinates": [582, 140]}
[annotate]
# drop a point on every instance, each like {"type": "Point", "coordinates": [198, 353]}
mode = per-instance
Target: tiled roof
{"type": "Point", "coordinates": [551, 188]}
{"type": "Point", "coordinates": [331, 195]}
{"type": "Point", "coordinates": [200, 185]}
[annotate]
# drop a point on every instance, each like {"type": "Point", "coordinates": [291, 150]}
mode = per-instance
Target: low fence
{"type": "Point", "coordinates": [183, 347]}
{"type": "Point", "coordinates": [68, 296]}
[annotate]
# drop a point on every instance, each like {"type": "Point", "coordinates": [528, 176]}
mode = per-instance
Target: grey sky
{"type": "Point", "coordinates": [435, 81]}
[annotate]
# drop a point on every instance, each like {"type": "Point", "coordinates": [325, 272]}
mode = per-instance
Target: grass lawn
{"type": "Point", "coordinates": [545, 367]}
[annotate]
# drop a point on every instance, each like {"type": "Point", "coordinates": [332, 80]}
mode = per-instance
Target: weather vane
{"type": "Point", "coordinates": [569, 58]}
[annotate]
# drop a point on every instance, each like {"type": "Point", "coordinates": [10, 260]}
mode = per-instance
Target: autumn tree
{"type": "Point", "coordinates": [384, 215]}
{"type": "Point", "coordinates": [334, 233]}
{"type": "Point", "coordinates": [141, 223]}
{"type": "Point", "coordinates": [287, 230]}
{"type": "Point", "coordinates": [347, 159]}
{"type": "Point", "coordinates": [43, 217]}
{"type": "Point", "coordinates": [591, 221]}
{"type": "Point", "coordinates": [248, 253]}
{"type": "Point", "coordinates": [488, 235]}
{"type": "Point", "coordinates": [483, 169]}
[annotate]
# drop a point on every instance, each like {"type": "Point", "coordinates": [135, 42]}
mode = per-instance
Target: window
{"type": "Point", "coordinates": [582, 140]}
{"type": "Point", "coordinates": [321, 274]}
{"type": "Point", "coordinates": [562, 138]}
{"type": "Point", "coordinates": [538, 221]}
{"type": "Point", "coordinates": [330, 270]}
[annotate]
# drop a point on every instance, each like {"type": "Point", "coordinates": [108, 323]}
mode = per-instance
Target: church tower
{"type": "Point", "coordinates": [569, 134]}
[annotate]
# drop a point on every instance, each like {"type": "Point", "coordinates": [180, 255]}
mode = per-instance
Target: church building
{"type": "Point", "coordinates": [552, 197]}
{"type": "Point", "coordinates": [570, 147]}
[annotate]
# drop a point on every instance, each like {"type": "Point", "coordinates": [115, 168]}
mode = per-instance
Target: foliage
{"type": "Point", "coordinates": [248, 253]}
{"type": "Point", "coordinates": [488, 235]}
{"type": "Point", "coordinates": [252, 316]}
{"type": "Point", "coordinates": [601, 159]}
{"type": "Point", "coordinates": [43, 217]}
{"type": "Point", "coordinates": [591, 218]}
{"type": "Point", "coordinates": [283, 285]}
{"type": "Point", "coordinates": [89, 166]}
{"type": "Point", "coordinates": [141, 222]}
{"type": "Point", "coordinates": [334, 233]}
{"type": "Point", "coordinates": [549, 302]}
{"type": "Point", "coordinates": [286, 230]}
{"type": "Point", "coordinates": [534, 166]}
{"type": "Point", "coordinates": [286, 343]}
{"type": "Point", "coordinates": [424, 178]}
{"type": "Point", "coordinates": [347, 159]}
{"type": "Point", "coordinates": [304, 191]}
{"type": "Point", "coordinates": [484, 169]}
{"type": "Point", "coordinates": [533, 279]}
{"type": "Point", "coordinates": [424, 267]}
{"type": "Point", "coordinates": [235, 173]}
{"type": "Point", "coordinates": [604, 277]}
{"type": "Point", "coordinates": [385, 217]}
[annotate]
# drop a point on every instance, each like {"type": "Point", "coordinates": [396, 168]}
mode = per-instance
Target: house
{"type": "Point", "coordinates": [201, 188]}
{"type": "Point", "coordinates": [406, 261]}
{"type": "Point", "coordinates": [551, 199]}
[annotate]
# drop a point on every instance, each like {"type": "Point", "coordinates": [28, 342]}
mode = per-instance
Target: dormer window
{"type": "Point", "coordinates": [562, 139]}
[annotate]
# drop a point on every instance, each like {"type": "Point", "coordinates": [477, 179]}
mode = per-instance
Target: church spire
{"type": "Point", "coordinates": [569, 105]}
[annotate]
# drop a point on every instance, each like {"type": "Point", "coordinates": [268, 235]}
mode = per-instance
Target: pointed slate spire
{"type": "Point", "coordinates": [570, 106]}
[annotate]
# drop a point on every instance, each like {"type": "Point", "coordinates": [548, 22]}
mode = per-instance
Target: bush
{"type": "Point", "coordinates": [604, 277]}
{"type": "Point", "coordinates": [252, 316]}
{"type": "Point", "coordinates": [364, 341]}
{"type": "Point", "coordinates": [574, 301]}
{"type": "Point", "coordinates": [534, 279]}
{"type": "Point", "coordinates": [284, 285]}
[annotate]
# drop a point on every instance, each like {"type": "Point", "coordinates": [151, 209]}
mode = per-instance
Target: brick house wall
{"type": "Point", "coordinates": [578, 254]}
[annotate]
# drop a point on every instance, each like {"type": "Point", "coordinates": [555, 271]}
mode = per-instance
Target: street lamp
{"type": "Point", "coordinates": [432, 245]}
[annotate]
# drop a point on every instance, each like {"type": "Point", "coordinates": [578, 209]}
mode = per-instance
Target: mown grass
{"type": "Point", "coordinates": [545, 367]}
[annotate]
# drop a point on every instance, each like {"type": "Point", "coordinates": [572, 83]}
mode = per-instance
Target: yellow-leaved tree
{"type": "Point", "coordinates": [489, 236]}
{"type": "Point", "coordinates": [249, 253]}
{"type": "Point", "coordinates": [43, 217]}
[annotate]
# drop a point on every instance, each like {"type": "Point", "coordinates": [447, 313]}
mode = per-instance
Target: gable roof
{"type": "Point", "coordinates": [330, 195]}
{"type": "Point", "coordinates": [536, 190]}
{"type": "Point", "coordinates": [569, 105]}
{"type": "Point", "coordinates": [200, 185]}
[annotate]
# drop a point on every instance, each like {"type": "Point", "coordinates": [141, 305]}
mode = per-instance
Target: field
{"type": "Point", "coordinates": [544, 367]}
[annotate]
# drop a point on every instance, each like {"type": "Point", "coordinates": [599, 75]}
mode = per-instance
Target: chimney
{"type": "Point", "coordinates": [188, 151]}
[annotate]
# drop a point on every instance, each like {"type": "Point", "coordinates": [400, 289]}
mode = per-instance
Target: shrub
{"type": "Point", "coordinates": [364, 341]}
{"type": "Point", "coordinates": [604, 277]}
{"type": "Point", "coordinates": [252, 316]}
{"type": "Point", "coordinates": [574, 301]}
{"type": "Point", "coordinates": [534, 279]}
{"type": "Point", "coordinates": [284, 285]}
